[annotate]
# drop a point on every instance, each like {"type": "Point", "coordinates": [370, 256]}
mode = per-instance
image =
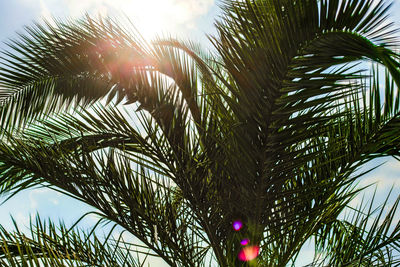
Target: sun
{"type": "Point", "coordinates": [154, 17]}
{"type": "Point", "coordinates": [150, 17]}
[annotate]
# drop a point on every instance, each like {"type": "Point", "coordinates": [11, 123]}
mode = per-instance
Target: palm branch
{"type": "Point", "coordinates": [270, 129]}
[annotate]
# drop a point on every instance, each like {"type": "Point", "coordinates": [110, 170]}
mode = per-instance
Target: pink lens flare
{"type": "Point", "coordinates": [249, 253]}
{"type": "Point", "coordinates": [245, 242]}
{"type": "Point", "coordinates": [237, 225]}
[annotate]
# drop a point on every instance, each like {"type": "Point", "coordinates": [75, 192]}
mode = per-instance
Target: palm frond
{"type": "Point", "coordinates": [137, 199]}
{"type": "Point", "coordinates": [270, 128]}
{"type": "Point", "coordinates": [50, 244]}
{"type": "Point", "coordinates": [366, 237]}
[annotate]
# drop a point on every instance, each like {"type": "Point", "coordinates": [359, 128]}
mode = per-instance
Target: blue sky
{"type": "Point", "coordinates": [183, 18]}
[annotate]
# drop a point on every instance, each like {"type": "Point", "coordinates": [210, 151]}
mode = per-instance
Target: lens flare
{"type": "Point", "coordinates": [245, 242]}
{"type": "Point", "coordinates": [249, 253]}
{"type": "Point", "coordinates": [237, 225]}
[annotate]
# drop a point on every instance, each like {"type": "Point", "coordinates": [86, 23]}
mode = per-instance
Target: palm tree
{"type": "Point", "coordinates": [268, 129]}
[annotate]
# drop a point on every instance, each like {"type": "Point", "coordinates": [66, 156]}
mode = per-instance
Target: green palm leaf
{"type": "Point", "coordinates": [269, 128]}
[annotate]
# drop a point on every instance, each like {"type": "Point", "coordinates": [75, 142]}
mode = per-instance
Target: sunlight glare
{"type": "Point", "coordinates": [245, 242]}
{"type": "Point", "coordinates": [152, 18]}
{"type": "Point", "coordinates": [249, 253]}
{"type": "Point", "coordinates": [158, 17]}
{"type": "Point", "coordinates": [237, 225]}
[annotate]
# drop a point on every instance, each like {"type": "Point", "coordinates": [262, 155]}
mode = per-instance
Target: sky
{"type": "Point", "coordinates": [187, 19]}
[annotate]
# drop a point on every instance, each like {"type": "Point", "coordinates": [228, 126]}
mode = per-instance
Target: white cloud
{"type": "Point", "coordinates": [79, 7]}
{"type": "Point", "coordinates": [394, 166]}
{"type": "Point", "coordinates": [382, 179]}
{"type": "Point", "coordinates": [381, 182]}
{"type": "Point", "coordinates": [22, 219]}
{"type": "Point", "coordinates": [42, 192]}
{"type": "Point", "coordinates": [190, 9]}
{"type": "Point", "coordinates": [45, 12]}
{"type": "Point", "coordinates": [94, 218]}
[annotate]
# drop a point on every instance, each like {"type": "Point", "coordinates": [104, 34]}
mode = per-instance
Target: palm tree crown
{"type": "Point", "coordinates": [268, 129]}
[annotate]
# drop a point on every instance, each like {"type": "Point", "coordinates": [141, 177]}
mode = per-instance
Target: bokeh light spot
{"type": "Point", "coordinates": [249, 253]}
{"type": "Point", "coordinates": [245, 242]}
{"type": "Point", "coordinates": [237, 225]}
